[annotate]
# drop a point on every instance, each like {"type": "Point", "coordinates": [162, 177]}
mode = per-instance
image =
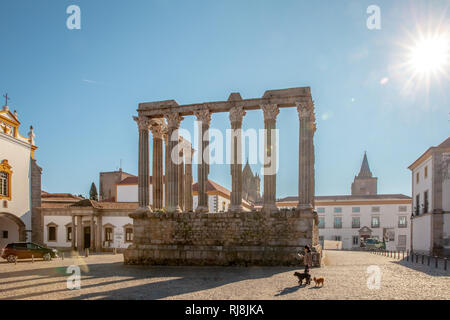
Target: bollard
{"type": "Point", "coordinates": [428, 260]}
{"type": "Point", "coordinates": [407, 255]}
{"type": "Point", "coordinates": [32, 258]}
{"type": "Point", "coordinates": [15, 260]}
{"type": "Point", "coordinates": [86, 252]}
{"type": "Point", "coordinates": [423, 256]}
{"type": "Point", "coordinates": [437, 261]}
{"type": "Point", "coordinates": [445, 264]}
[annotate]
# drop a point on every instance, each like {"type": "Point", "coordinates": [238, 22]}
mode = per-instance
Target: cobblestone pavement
{"type": "Point", "coordinates": [106, 277]}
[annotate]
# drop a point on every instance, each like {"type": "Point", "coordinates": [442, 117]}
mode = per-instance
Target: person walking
{"type": "Point", "coordinates": [307, 258]}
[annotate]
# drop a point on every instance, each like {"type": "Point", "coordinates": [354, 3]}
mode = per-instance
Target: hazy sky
{"type": "Point", "coordinates": [80, 88]}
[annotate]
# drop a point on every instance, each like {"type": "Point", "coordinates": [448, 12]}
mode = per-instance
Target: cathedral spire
{"type": "Point", "coordinates": [365, 170]}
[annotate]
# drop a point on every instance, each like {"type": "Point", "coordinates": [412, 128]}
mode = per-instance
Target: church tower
{"type": "Point", "coordinates": [364, 183]}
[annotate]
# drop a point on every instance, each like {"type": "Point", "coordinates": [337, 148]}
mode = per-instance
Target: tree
{"type": "Point", "coordinates": [93, 195]}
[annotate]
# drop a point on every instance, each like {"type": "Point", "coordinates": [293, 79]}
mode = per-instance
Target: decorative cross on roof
{"type": "Point", "coordinates": [6, 99]}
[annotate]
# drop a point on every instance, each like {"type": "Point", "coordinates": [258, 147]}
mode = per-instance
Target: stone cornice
{"type": "Point", "coordinates": [282, 98]}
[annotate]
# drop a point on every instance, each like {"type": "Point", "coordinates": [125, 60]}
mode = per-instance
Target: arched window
{"type": "Point", "coordinates": [5, 180]}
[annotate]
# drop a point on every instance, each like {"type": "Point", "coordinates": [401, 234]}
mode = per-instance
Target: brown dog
{"type": "Point", "coordinates": [318, 281]}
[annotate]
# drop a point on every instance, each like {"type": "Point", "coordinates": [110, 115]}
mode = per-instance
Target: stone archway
{"type": "Point", "coordinates": [14, 234]}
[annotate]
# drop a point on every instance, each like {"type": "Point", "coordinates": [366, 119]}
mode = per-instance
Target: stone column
{"type": "Point", "coordinates": [74, 232]}
{"type": "Point", "coordinates": [79, 234]}
{"type": "Point", "coordinates": [166, 164]}
{"type": "Point", "coordinates": [181, 179]}
{"type": "Point", "coordinates": [173, 123]}
{"type": "Point", "coordinates": [204, 119]}
{"type": "Point", "coordinates": [236, 116]}
{"type": "Point", "coordinates": [271, 112]}
{"type": "Point", "coordinates": [306, 156]}
{"type": "Point", "coordinates": [157, 172]}
{"type": "Point", "coordinates": [144, 165]}
{"type": "Point", "coordinates": [188, 201]}
{"type": "Point", "coordinates": [98, 238]}
{"type": "Point", "coordinates": [92, 248]}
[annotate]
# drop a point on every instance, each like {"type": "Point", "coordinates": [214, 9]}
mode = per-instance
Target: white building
{"type": "Point", "coordinates": [364, 214]}
{"type": "Point", "coordinates": [20, 183]}
{"type": "Point", "coordinates": [431, 200]}
{"type": "Point", "coordinates": [218, 196]}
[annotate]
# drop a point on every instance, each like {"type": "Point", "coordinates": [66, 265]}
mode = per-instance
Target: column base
{"type": "Point", "coordinates": [236, 208]}
{"type": "Point", "coordinates": [269, 208]}
{"type": "Point", "coordinates": [176, 209]}
{"type": "Point", "coordinates": [304, 206]}
{"type": "Point", "coordinates": [202, 209]}
{"type": "Point", "coordinates": [144, 209]}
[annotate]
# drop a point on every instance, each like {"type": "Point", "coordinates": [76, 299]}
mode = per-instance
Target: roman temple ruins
{"type": "Point", "coordinates": [179, 234]}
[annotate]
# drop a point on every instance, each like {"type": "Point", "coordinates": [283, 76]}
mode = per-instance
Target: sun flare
{"type": "Point", "coordinates": [430, 55]}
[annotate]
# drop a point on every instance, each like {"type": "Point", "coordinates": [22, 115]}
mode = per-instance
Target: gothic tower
{"type": "Point", "coordinates": [364, 183]}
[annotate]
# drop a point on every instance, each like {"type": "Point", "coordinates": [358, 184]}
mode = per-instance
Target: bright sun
{"type": "Point", "coordinates": [430, 55]}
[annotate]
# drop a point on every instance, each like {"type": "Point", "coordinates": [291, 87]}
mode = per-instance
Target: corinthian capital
{"type": "Point", "coordinates": [142, 122]}
{"type": "Point", "coordinates": [236, 114]}
{"type": "Point", "coordinates": [305, 110]}
{"type": "Point", "coordinates": [173, 120]}
{"type": "Point", "coordinates": [270, 111]}
{"type": "Point", "coordinates": [203, 116]}
{"type": "Point", "coordinates": [157, 127]}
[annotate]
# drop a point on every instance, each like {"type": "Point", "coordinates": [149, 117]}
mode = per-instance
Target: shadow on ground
{"type": "Point", "coordinates": [184, 280]}
{"type": "Point", "coordinates": [425, 268]}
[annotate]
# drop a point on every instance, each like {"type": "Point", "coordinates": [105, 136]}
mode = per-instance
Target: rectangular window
{"type": "Point", "coordinates": [320, 238]}
{"type": "Point", "coordinates": [375, 209]}
{"type": "Point", "coordinates": [375, 222]}
{"type": "Point", "coordinates": [356, 209]}
{"type": "Point", "coordinates": [426, 172]}
{"type": "Point", "coordinates": [129, 235]}
{"type": "Point", "coordinates": [320, 210]}
{"type": "Point", "coordinates": [356, 222]}
{"type": "Point", "coordinates": [69, 233]}
{"type": "Point", "coordinates": [337, 222]}
{"type": "Point", "coordinates": [425, 202]}
{"type": "Point", "coordinates": [338, 210]}
{"type": "Point", "coordinates": [321, 222]}
{"type": "Point", "coordinates": [417, 177]}
{"type": "Point", "coordinates": [402, 240]}
{"type": "Point", "coordinates": [417, 207]}
{"type": "Point", "coordinates": [4, 192]}
{"type": "Point", "coordinates": [355, 240]}
{"type": "Point", "coordinates": [51, 233]}
{"type": "Point", "coordinates": [402, 209]}
{"type": "Point", "coordinates": [402, 222]}
{"type": "Point", "coordinates": [5, 234]}
{"type": "Point", "coordinates": [337, 238]}
{"type": "Point", "coordinates": [108, 234]}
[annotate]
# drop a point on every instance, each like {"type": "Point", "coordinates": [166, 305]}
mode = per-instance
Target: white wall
{"type": "Point", "coordinates": [423, 185]}
{"type": "Point", "coordinates": [18, 155]}
{"type": "Point", "coordinates": [422, 233]}
{"type": "Point", "coordinates": [61, 234]}
{"type": "Point", "coordinates": [13, 232]}
{"type": "Point", "coordinates": [389, 215]}
{"type": "Point", "coordinates": [119, 232]}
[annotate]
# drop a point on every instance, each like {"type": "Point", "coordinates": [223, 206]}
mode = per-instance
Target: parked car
{"type": "Point", "coordinates": [27, 250]}
{"type": "Point", "coordinates": [373, 244]}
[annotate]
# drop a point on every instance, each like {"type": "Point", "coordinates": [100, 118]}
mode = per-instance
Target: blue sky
{"type": "Point", "coordinates": [80, 88]}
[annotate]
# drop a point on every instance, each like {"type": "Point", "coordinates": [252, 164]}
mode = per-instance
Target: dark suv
{"type": "Point", "coordinates": [27, 250]}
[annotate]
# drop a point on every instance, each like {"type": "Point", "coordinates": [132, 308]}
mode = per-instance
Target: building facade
{"type": "Point", "coordinates": [431, 201]}
{"type": "Point", "coordinates": [363, 214]}
{"type": "Point", "coordinates": [20, 181]}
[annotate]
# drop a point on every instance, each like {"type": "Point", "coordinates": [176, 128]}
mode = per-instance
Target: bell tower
{"type": "Point", "coordinates": [364, 183]}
